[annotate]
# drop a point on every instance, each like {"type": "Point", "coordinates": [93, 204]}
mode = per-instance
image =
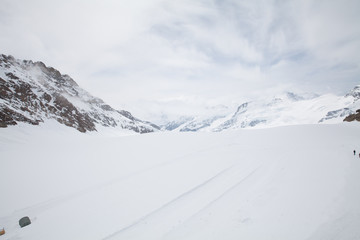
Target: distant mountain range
{"type": "Point", "coordinates": [31, 92]}
{"type": "Point", "coordinates": [285, 109]}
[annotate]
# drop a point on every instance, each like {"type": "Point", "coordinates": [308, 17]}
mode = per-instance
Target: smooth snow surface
{"type": "Point", "coordinates": [295, 182]}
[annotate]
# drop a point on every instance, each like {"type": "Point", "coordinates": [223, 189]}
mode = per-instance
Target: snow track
{"type": "Point", "coordinates": [169, 205]}
{"type": "Point", "coordinates": [158, 223]}
{"type": "Point", "coordinates": [298, 183]}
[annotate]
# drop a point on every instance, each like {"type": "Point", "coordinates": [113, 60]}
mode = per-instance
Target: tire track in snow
{"type": "Point", "coordinates": [181, 196]}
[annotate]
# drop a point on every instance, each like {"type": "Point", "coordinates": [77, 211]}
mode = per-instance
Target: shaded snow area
{"type": "Point", "coordinates": [294, 182]}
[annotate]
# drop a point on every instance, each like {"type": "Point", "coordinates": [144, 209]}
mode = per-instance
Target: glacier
{"type": "Point", "coordinates": [293, 182]}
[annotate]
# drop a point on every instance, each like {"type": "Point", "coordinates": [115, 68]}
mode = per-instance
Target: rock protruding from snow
{"type": "Point", "coordinates": [23, 222]}
{"type": "Point", "coordinates": [353, 117]}
{"type": "Point", "coordinates": [31, 92]}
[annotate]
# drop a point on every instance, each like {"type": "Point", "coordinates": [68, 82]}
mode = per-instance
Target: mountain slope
{"type": "Point", "coordinates": [31, 92]}
{"type": "Point", "coordinates": [285, 109]}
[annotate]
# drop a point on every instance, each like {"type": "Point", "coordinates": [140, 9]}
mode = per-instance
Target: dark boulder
{"type": "Point", "coordinates": [24, 221]}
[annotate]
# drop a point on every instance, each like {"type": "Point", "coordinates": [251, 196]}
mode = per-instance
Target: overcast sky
{"type": "Point", "coordinates": [144, 54]}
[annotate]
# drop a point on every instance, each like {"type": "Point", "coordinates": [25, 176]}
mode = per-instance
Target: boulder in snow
{"type": "Point", "coordinates": [24, 221]}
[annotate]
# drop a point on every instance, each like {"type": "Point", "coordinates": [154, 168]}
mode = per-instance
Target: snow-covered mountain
{"type": "Point", "coordinates": [31, 92]}
{"type": "Point", "coordinates": [285, 109]}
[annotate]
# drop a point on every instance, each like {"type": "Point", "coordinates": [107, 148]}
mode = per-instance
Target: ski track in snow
{"type": "Point", "coordinates": [242, 178]}
{"type": "Point", "coordinates": [209, 196]}
{"type": "Point", "coordinates": [36, 209]}
{"type": "Point", "coordinates": [236, 185]}
{"type": "Point", "coordinates": [46, 205]}
{"type": "Point", "coordinates": [183, 195]}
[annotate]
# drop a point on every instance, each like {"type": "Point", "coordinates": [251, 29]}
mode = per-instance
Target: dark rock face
{"type": "Point", "coordinates": [32, 92]}
{"type": "Point", "coordinates": [242, 108]}
{"type": "Point", "coordinates": [24, 221]}
{"type": "Point", "coordinates": [256, 122]}
{"type": "Point", "coordinates": [10, 117]}
{"type": "Point", "coordinates": [353, 117]}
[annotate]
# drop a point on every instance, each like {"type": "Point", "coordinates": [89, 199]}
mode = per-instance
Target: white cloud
{"type": "Point", "coordinates": [128, 52]}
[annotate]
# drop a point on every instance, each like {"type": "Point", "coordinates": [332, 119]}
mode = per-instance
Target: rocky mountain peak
{"type": "Point", "coordinates": [355, 92]}
{"type": "Point", "coordinates": [32, 92]}
{"type": "Point", "coordinates": [293, 96]}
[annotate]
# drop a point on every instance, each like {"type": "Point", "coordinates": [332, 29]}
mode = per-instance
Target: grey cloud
{"type": "Point", "coordinates": [146, 50]}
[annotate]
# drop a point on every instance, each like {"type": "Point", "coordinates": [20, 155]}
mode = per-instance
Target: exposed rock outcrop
{"type": "Point", "coordinates": [353, 117]}
{"type": "Point", "coordinates": [31, 92]}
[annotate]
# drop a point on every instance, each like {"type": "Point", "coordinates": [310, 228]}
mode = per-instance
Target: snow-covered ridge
{"type": "Point", "coordinates": [32, 92]}
{"type": "Point", "coordinates": [285, 109]}
{"type": "Point", "coordinates": [355, 92]}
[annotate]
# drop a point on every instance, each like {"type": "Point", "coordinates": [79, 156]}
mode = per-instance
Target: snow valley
{"type": "Point", "coordinates": [34, 93]}
{"type": "Point", "coordinates": [295, 182]}
{"type": "Point", "coordinates": [283, 167]}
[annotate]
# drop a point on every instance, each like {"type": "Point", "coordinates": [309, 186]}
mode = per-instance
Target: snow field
{"type": "Point", "coordinates": [295, 182]}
